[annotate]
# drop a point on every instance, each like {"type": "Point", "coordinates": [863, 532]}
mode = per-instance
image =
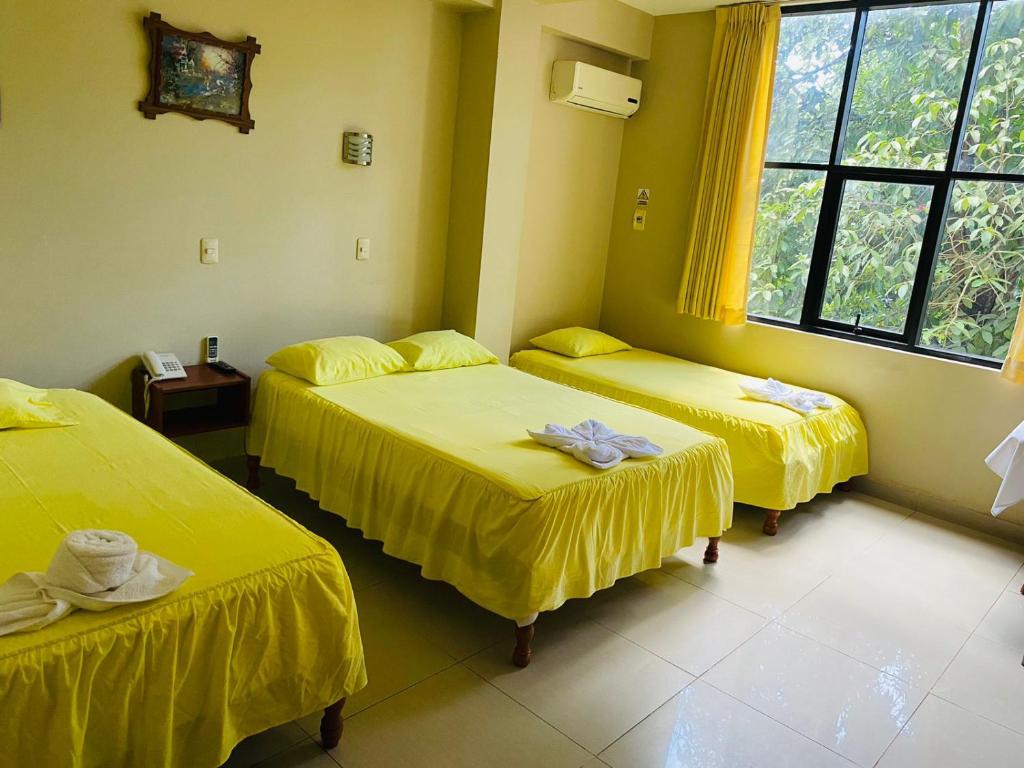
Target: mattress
{"type": "Point", "coordinates": [779, 457]}
{"type": "Point", "coordinates": [259, 636]}
{"type": "Point", "coordinates": [439, 467]}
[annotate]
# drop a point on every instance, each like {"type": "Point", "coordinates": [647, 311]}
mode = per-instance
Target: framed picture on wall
{"type": "Point", "coordinates": [198, 74]}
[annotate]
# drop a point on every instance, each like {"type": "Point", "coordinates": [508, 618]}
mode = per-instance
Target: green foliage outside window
{"type": "Point", "coordinates": [878, 243]}
{"type": "Point", "coordinates": [903, 113]}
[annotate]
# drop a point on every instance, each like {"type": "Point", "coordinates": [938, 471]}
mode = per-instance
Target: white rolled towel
{"type": "Point", "coordinates": [92, 561]}
{"type": "Point", "coordinates": [93, 570]}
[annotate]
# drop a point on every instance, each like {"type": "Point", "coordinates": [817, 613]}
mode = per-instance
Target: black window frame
{"type": "Point", "coordinates": [836, 175]}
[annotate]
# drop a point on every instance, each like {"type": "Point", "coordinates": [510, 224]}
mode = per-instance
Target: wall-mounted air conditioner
{"type": "Point", "coordinates": [585, 86]}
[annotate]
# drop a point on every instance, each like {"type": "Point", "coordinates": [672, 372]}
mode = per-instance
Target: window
{"type": "Point", "coordinates": [892, 205]}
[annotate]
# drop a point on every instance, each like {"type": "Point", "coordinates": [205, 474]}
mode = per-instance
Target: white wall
{"type": "Point", "coordinates": [930, 422]}
{"type": "Point", "coordinates": [480, 297]}
{"type": "Point", "coordinates": [570, 190]}
{"type": "Point", "coordinates": [102, 210]}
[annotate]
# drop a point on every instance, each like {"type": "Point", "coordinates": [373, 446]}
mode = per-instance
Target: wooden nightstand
{"type": "Point", "coordinates": [205, 401]}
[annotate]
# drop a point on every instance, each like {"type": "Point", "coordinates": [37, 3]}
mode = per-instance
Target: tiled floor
{"type": "Point", "coordinates": [861, 635]}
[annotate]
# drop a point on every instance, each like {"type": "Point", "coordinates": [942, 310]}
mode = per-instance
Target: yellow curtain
{"type": "Point", "coordinates": [1013, 365]}
{"type": "Point", "coordinates": [736, 113]}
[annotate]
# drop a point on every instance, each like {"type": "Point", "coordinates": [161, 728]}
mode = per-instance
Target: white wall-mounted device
{"type": "Point", "coordinates": [163, 365]}
{"type": "Point", "coordinates": [209, 250]}
{"type": "Point", "coordinates": [363, 249]}
{"type": "Point", "coordinates": [585, 86]}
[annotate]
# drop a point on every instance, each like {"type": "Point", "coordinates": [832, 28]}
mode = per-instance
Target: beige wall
{"type": "Point", "coordinates": [479, 296]}
{"type": "Point", "coordinates": [469, 170]}
{"type": "Point", "coordinates": [607, 24]}
{"type": "Point", "coordinates": [518, 42]}
{"type": "Point", "coordinates": [931, 422]}
{"type": "Point", "coordinates": [570, 189]}
{"type": "Point", "coordinates": [102, 210]}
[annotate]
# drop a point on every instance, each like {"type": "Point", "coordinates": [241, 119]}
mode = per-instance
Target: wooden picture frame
{"type": "Point", "coordinates": [198, 74]}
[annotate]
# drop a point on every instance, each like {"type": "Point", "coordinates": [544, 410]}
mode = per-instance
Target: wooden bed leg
{"type": "Point", "coordinates": [331, 725]}
{"type": "Point", "coordinates": [252, 482]}
{"type": "Point", "coordinates": [771, 522]}
{"type": "Point", "coordinates": [711, 553]}
{"type": "Point", "coordinates": [522, 652]}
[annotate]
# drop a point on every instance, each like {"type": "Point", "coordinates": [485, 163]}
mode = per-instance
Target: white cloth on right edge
{"type": "Point", "coordinates": [1007, 461]}
{"type": "Point", "coordinates": [93, 570]}
{"type": "Point", "coordinates": [595, 444]}
{"type": "Point", "coordinates": [799, 400]}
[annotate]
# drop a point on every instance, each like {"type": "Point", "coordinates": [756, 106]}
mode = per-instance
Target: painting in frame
{"type": "Point", "coordinates": [198, 74]}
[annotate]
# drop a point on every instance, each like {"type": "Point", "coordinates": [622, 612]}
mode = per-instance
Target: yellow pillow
{"type": "Point", "coordinates": [27, 407]}
{"type": "Point", "coordinates": [579, 342]}
{"type": "Point", "coordinates": [434, 350]}
{"type": "Point", "coordinates": [337, 360]}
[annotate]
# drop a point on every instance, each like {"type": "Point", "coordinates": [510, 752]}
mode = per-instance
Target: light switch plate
{"type": "Point", "coordinates": [363, 249]}
{"type": "Point", "coordinates": [209, 250]}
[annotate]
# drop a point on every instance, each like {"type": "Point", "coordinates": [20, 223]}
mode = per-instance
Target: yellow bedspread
{"type": "Point", "coordinates": [779, 457]}
{"type": "Point", "coordinates": [439, 467]}
{"type": "Point", "coordinates": [263, 633]}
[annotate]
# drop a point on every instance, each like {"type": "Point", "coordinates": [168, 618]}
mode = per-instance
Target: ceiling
{"type": "Point", "coordinates": [662, 7]}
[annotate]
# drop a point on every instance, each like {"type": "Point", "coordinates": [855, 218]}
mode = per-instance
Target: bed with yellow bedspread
{"type": "Point", "coordinates": [779, 457]}
{"type": "Point", "coordinates": [439, 467]}
{"type": "Point", "coordinates": [263, 633]}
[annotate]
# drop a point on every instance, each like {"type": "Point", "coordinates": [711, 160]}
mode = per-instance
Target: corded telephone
{"type": "Point", "coordinates": [163, 366]}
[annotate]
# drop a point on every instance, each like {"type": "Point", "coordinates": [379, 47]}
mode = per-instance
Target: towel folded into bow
{"type": "Point", "coordinates": [799, 400]}
{"type": "Point", "coordinates": [595, 444]}
{"type": "Point", "coordinates": [93, 570]}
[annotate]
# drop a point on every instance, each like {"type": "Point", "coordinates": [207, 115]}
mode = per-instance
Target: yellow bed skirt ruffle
{"type": "Point", "coordinates": [265, 632]}
{"type": "Point", "coordinates": [437, 466]}
{"type": "Point", "coordinates": [779, 458]}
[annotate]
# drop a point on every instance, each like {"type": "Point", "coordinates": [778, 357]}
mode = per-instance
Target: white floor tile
{"type": "Point", "coordinates": [762, 581]}
{"type": "Point", "coordinates": [454, 719]}
{"type": "Point", "coordinates": [830, 529]}
{"type": "Point", "coordinates": [679, 622]}
{"type": "Point", "coordinates": [879, 623]}
{"type": "Point", "coordinates": [953, 572]}
{"type": "Point", "coordinates": [705, 728]}
{"type": "Point", "coordinates": [311, 723]}
{"type": "Point", "coordinates": [438, 612]}
{"type": "Point", "coordinates": [768, 574]}
{"type": "Point", "coordinates": [303, 755]}
{"type": "Point", "coordinates": [1005, 622]}
{"type": "Point", "coordinates": [987, 678]}
{"type": "Point", "coordinates": [861, 586]}
{"type": "Point", "coordinates": [1017, 582]}
{"type": "Point", "coordinates": [397, 653]}
{"type": "Point", "coordinates": [839, 702]}
{"type": "Point", "coordinates": [942, 735]}
{"type": "Point", "coordinates": [938, 546]}
{"type": "Point", "coordinates": [271, 742]}
{"type": "Point", "coordinates": [926, 536]}
{"type": "Point", "coordinates": [585, 680]}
